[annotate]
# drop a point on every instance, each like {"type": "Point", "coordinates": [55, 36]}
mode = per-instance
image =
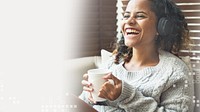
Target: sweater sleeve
{"type": "Point", "coordinates": [175, 97]}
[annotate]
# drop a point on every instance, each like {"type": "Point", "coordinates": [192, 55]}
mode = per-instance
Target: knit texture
{"type": "Point", "coordinates": [166, 87]}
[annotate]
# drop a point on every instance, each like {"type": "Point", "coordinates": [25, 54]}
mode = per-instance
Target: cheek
{"type": "Point", "coordinates": [149, 29]}
{"type": "Point", "coordinates": [153, 26]}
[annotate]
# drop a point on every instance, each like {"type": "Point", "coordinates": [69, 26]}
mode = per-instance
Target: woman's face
{"type": "Point", "coordinates": [139, 24]}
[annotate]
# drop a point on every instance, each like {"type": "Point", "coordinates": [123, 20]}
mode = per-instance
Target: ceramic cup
{"type": "Point", "coordinates": [95, 77]}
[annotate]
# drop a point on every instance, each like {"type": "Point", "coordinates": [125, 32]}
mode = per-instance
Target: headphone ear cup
{"type": "Point", "coordinates": [165, 26]}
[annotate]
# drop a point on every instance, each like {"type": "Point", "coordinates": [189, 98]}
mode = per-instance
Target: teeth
{"type": "Point", "coordinates": [132, 31]}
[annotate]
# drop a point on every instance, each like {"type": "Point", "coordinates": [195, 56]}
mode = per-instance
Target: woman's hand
{"type": "Point", "coordinates": [111, 91]}
{"type": "Point", "coordinates": [87, 87]}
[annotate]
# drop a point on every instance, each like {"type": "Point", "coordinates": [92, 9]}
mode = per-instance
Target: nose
{"type": "Point", "coordinates": [131, 21]}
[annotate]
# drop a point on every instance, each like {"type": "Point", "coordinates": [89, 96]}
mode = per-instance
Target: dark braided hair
{"type": "Point", "coordinates": [172, 42]}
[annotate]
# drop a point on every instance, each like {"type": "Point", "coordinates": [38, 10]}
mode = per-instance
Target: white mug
{"type": "Point", "coordinates": [95, 76]}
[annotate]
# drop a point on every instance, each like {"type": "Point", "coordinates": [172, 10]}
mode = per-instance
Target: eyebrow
{"type": "Point", "coordinates": [141, 12]}
{"type": "Point", "coordinates": [136, 12]}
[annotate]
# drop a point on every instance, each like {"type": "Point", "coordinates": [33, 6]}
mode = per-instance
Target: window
{"type": "Point", "coordinates": [94, 28]}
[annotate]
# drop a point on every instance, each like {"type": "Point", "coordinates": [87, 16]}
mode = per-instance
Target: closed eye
{"type": "Point", "coordinates": [139, 16]}
{"type": "Point", "coordinates": [126, 16]}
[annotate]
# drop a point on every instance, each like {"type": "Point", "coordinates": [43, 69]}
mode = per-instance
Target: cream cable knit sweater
{"type": "Point", "coordinates": [166, 87]}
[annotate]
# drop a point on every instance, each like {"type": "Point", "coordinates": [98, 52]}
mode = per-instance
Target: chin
{"type": "Point", "coordinates": [129, 44]}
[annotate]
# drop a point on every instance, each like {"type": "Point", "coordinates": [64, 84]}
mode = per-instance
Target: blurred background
{"type": "Point", "coordinates": [94, 25]}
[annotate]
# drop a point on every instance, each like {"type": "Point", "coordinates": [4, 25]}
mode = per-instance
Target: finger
{"type": "Point", "coordinates": [85, 76]}
{"type": "Point", "coordinates": [90, 98]}
{"type": "Point", "coordinates": [107, 85]}
{"type": "Point", "coordinates": [106, 90]}
{"type": "Point", "coordinates": [103, 94]}
{"type": "Point", "coordinates": [86, 83]}
{"type": "Point", "coordinates": [107, 94]}
{"type": "Point", "coordinates": [110, 76]}
{"type": "Point", "coordinates": [88, 89]}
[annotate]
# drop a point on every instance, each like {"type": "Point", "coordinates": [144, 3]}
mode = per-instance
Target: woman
{"type": "Point", "coordinates": [148, 76]}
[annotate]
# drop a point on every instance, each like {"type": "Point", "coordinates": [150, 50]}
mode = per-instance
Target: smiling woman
{"type": "Point", "coordinates": [142, 81]}
{"type": "Point", "coordinates": [160, 28]}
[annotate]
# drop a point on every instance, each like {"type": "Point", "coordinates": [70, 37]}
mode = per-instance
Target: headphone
{"type": "Point", "coordinates": [165, 25]}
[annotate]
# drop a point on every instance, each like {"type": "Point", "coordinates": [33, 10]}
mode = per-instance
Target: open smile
{"type": "Point", "coordinates": [132, 31]}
